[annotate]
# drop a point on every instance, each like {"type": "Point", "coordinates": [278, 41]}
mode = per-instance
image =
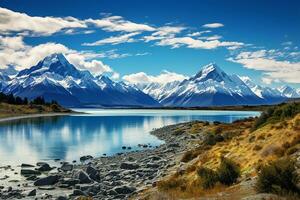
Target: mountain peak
{"type": "Point", "coordinates": [53, 58]}
{"type": "Point", "coordinates": [210, 71]}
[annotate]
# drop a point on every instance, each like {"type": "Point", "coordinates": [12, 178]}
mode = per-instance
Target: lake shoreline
{"type": "Point", "coordinates": [118, 176]}
{"type": "Point", "coordinates": [27, 116]}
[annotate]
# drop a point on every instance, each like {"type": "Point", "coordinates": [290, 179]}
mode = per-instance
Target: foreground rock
{"type": "Point", "coordinates": [115, 177]}
{"type": "Point", "coordinates": [49, 180]}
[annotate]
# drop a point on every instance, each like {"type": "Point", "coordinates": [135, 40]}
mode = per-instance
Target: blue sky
{"type": "Point", "coordinates": [259, 39]}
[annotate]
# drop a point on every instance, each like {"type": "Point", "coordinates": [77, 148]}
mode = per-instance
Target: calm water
{"type": "Point", "coordinates": [98, 132]}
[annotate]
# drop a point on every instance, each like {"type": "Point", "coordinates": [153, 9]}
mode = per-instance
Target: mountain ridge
{"type": "Point", "coordinates": [56, 79]}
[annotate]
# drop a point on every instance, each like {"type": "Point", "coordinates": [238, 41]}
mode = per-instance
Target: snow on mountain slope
{"type": "Point", "coordinates": [289, 92]}
{"type": "Point", "coordinates": [211, 87]}
{"type": "Point", "coordinates": [159, 91]}
{"type": "Point", "coordinates": [55, 78]}
{"type": "Point", "coordinates": [270, 95]}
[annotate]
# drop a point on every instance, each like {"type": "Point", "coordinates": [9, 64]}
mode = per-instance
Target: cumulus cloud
{"type": "Point", "coordinates": [270, 63]}
{"type": "Point", "coordinates": [26, 25]}
{"type": "Point", "coordinates": [168, 30]}
{"type": "Point", "coordinates": [118, 23]}
{"type": "Point", "coordinates": [164, 77]}
{"type": "Point", "coordinates": [11, 21]}
{"type": "Point", "coordinates": [13, 52]}
{"type": "Point", "coordinates": [198, 33]}
{"type": "Point", "coordinates": [213, 25]}
{"type": "Point", "coordinates": [214, 37]}
{"type": "Point", "coordinates": [80, 61]}
{"type": "Point", "coordinates": [126, 38]}
{"type": "Point", "coordinates": [196, 43]}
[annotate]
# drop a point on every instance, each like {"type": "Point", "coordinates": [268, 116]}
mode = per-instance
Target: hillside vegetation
{"type": "Point", "coordinates": [11, 106]}
{"type": "Point", "coordinates": [237, 160]}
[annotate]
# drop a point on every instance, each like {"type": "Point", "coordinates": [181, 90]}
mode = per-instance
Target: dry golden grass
{"type": "Point", "coordinates": [9, 110]}
{"type": "Point", "coordinates": [248, 149]}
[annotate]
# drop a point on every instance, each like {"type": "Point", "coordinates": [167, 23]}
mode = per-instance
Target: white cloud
{"type": "Point", "coordinates": [117, 23]}
{"type": "Point", "coordinates": [196, 43]}
{"type": "Point", "coordinates": [268, 62]}
{"type": "Point", "coordinates": [168, 30]}
{"type": "Point", "coordinates": [80, 61]}
{"type": "Point", "coordinates": [11, 21]}
{"type": "Point", "coordinates": [26, 25]}
{"type": "Point", "coordinates": [14, 52]}
{"type": "Point", "coordinates": [11, 42]}
{"type": "Point", "coordinates": [213, 25]}
{"type": "Point", "coordinates": [266, 80]}
{"type": "Point", "coordinates": [199, 33]}
{"type": "Point", "coordinates": [164, 77]}
{"type": "Point", "coordinates": [115, 76]}
{"type": "Point", "coordinates": [214, 37]}
{"type": "Point", "coordinates": [126, 38]}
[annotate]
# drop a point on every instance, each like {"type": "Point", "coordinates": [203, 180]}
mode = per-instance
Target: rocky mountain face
{"type": "Point", "coordinates": [55, 78]}
{"type": "Point", "coordinates": [211, 86]}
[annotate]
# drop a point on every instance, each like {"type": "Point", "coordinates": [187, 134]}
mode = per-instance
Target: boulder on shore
{"type": "Point", "coordinates": [49, 180]}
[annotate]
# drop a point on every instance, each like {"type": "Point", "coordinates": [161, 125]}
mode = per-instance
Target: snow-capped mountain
{"type": "Point", "coordinates": [213, 87]}
{"type": "Point", "coordinates": [270, 95]}
{"type": "Point", "coordinates": [289, 92]}
{"type": "Point", "coordinates": [159, 91]}
{"type": "Point", "coordinates": [55, 78]}
{"type": "Point", "coordinates": [210, 87]}
{"type": "Point", "coordinates": [4, 79]}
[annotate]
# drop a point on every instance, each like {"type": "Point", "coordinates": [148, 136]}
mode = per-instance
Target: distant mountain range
{"type": "Point", "coordinates": [213, 87]}
{"type": "Point", "coordinates": [55, 78]}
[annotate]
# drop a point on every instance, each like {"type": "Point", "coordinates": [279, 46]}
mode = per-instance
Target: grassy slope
{"type": "Point", "coordinates": [9, 110]}
{"type": "Point", "coordinates": [248, 148]}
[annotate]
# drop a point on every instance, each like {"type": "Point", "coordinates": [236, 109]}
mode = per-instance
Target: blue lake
{"type": "Point", "coordinates": [95, 133]}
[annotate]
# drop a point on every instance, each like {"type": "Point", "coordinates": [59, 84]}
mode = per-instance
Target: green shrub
{"type": "Point", "coordinates": [219, 138]}
{"type": "Point", "coordinates": [228, 172]}
{"type": "Point", "coordinates": [208, 177]}
{"type": "Point", "coordinates": [276, 114]}
{"type": "Point", "coordinates": [188, 156]}
{"type": "Point", "coordinates": [291, 150]}
{"type": "Point", "coordinates": [278, 177]}
{"type": "Point", "coordinates": [210, 139]}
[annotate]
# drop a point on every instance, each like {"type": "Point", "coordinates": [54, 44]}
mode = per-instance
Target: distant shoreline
{"type": "Point", "coordinates": [224, 108]}
{"type": "Point", "coordinates": [17, 117]}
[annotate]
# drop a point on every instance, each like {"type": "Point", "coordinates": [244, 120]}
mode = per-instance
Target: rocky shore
{"type": "Point", "coordinates": [115, 177]}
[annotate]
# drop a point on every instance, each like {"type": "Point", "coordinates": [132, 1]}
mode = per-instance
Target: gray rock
{"type": "Point", "coordinates": [61, 198]}
{"type": "Point", "coordinates": [77, 192]}
{"type": "Point", "coordinates": [46, 188]}
{"type": "Point", "coordinates": [82, 176]}
{"type": "Point", "coordinates": [85, 158]}
{"type": "Point", "coordinates": [70, 181]}
{"type": "Point", "coordinates": [124, 189]}
{"type": "Point", "coordinates": [28, 172]}
{"type": "Point", "coordinates": [24, 165]}
{"type": "Point", "coordinates": [32, 178]}
{"type": "Point", "coordinates": [152, 165]}
{"type": "Point", "coordinates": [67, 167]}
{"type": "Point", "coordinates": [174, 145]}
{"type": "Point", "coordinates": [44, 167]}
{"type": "Point", "coordinates": [113, 173]}
{"type": "Point", "coordinates": [49, 180]}
{"type": "Point", "coordinates": [93, 173]}
{"type": "Point", "coordinates": [91, 170]}
{"type": "Point", "coordinates": [129, 165]}
{"type": "Point", "coordinates": [32, 193]}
